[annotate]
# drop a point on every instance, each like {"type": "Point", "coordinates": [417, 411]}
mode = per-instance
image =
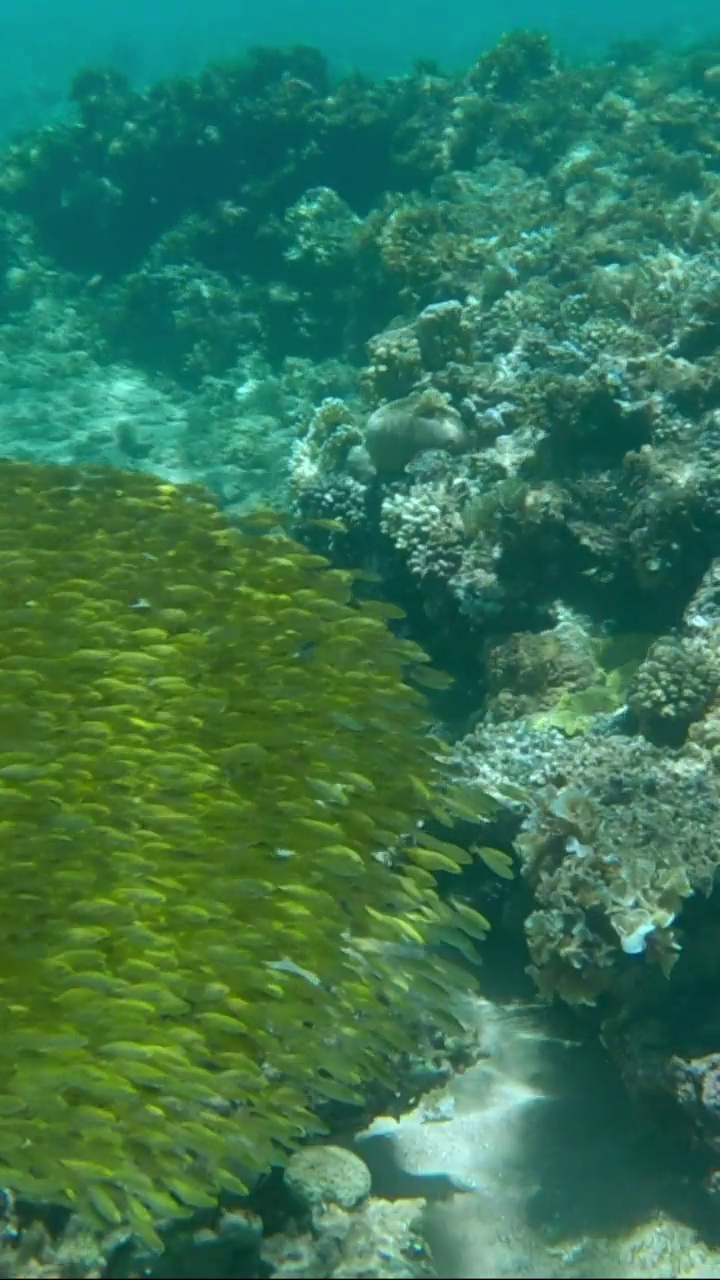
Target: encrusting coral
{"type": "Point", "coordinates": [207, 749]}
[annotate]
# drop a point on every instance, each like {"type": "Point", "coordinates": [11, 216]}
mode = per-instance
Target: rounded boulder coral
{"type": "Point", "coordinates": [399, 430]}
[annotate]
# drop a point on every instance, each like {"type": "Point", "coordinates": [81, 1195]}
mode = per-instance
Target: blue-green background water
{"type": "Point", "coordinates": [43, 41]}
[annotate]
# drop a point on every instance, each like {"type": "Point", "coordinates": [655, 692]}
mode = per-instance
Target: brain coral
{"type": "Point", "coordinates": [204, 745]}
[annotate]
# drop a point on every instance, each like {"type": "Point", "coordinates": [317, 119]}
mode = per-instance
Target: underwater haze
{"type": "Point", "coordinates": [42, 42]}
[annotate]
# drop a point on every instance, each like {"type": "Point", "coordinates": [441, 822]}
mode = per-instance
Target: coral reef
{"type": "Point", "coordinates": [396, 432]}
{"type": "Point", "coordinates": [380, 1240]}
{"type": "Point", "coordinates": [42, 1241]}
{"type": "Point", "coordinates": [464, 328]}
{"type": "Point", "coordinates": [322, 1175]}
{"type": "Point", "coordinates": [343, 1231]}
{"type": "Point", "coordinates": [33, 1253]}
{"type": "Point", "coordinates": [613, 837]}
{"type": "Point", "coordinates": [532, 670]}
{"type": "Point", "coordinates": [674, 687]}
{"type": "Point", "coordinates": [528, 242]}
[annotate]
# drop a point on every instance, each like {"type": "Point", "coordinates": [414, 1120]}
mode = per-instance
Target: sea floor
{"type": "Point", "coordinates": [535, 1163]}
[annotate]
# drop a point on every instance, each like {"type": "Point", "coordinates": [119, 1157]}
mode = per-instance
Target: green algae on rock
{"type": "Point", "coordinates": [205, 743]}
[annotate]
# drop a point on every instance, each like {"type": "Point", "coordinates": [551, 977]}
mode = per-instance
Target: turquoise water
{"type": "Point", "coordinates": [378, 35]}
{"type": "Point", "coordinates": [43, 41]}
